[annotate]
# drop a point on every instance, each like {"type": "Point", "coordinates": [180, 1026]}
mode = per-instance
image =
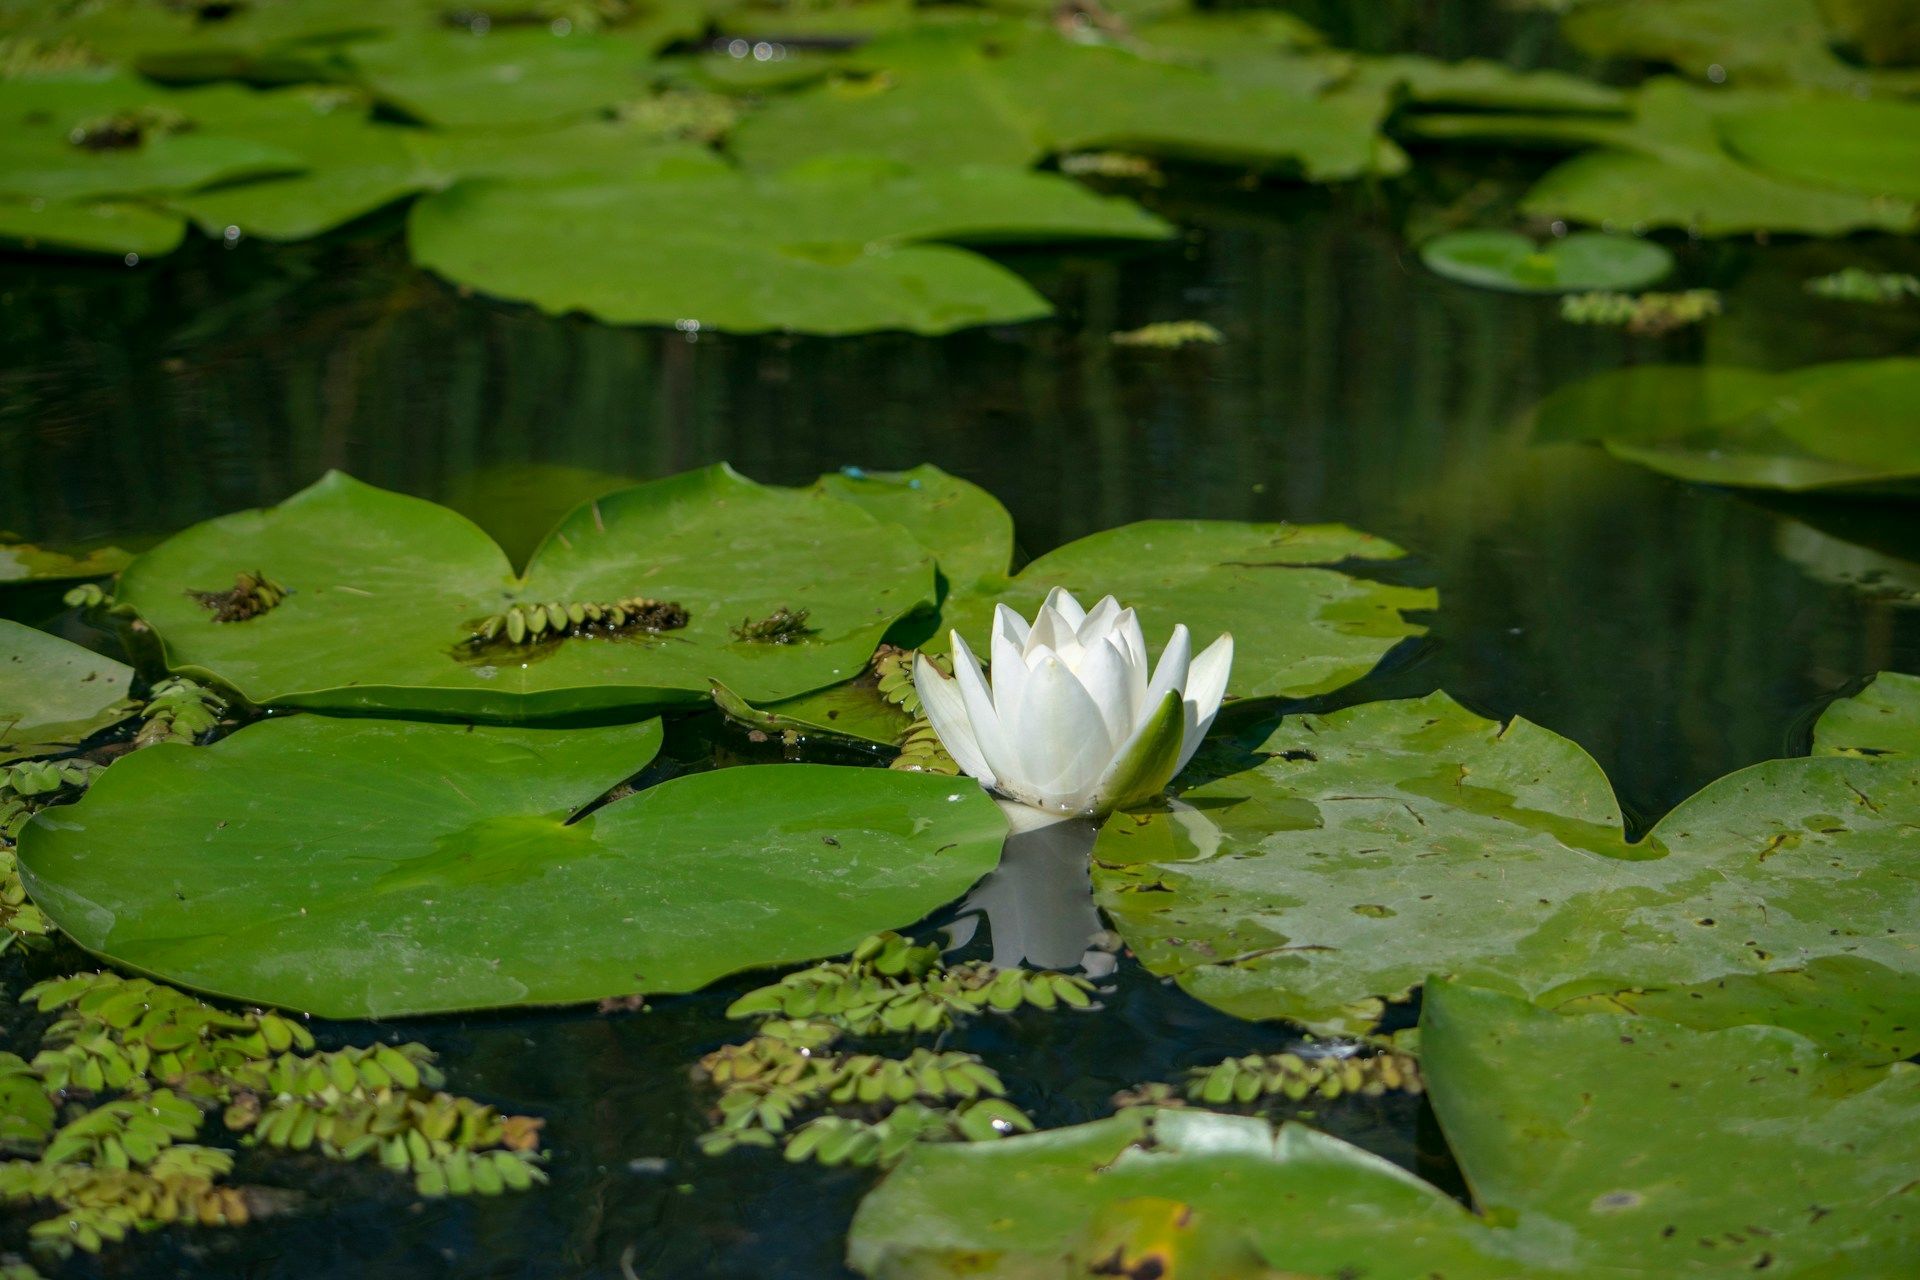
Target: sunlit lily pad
{"type": "Point", "coordinates": [1881, 720]}
{"type": "Point", "coordinates": [53, 693]}
{"type": "Point", "coordinates": [1845, 426]}
{"type": "Point", "coordinates": [834, 249]}
{"type": "Point", "coordinates": [1581, 261]}
{"type": "Point", "coordinates": [1620, 1142]}
{"type": "Point", "coordinates": [384, 590]}
{"type": "Point", "coordinates": [1612, 1163]}
{"type": "Point", "coordinates": [1389, 841]}
{"type": "Point", "coordinates": [366, 868]}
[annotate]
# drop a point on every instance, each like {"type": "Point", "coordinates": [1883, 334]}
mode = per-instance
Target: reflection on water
{"type": "Point", "coordinates": [1038, 903]}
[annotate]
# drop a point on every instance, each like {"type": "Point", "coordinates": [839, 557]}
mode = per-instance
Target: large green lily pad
{"type": "Point", "coordinates": [53, 693]}
{"type": "Point", "coordinates": [1881, 720]}
{"type": "Point", "coordinates": [832, 249]}
{"type": "Point", "coordinates": [1846, 426]}
{"type": "Point", "coordinates": [1511, 261]}
{"type": "Point", "coordinates": [1671, 1152]}
{"type": "Point", "coordinates": [1869, 147]}
{"type": "Point", "coordinates": [1393, 840]}
{"type": "Point", "coordinates": [384, 589]}
{"type": "Point", "coordinates": [366, 868]}
{"type": "Point", "coordinates": [1611, 1162]}
{"type": "Point", "coordinates": [1224, 1197]}
{"type": "Point", "coordinates": [507, 77]}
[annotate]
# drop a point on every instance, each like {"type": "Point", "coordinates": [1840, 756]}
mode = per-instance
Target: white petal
{"type": "Point", "coordinates": [1144, 764]}
{"type": "Point", "coordinates": [1009, 624]}
{"type": "Point", "coordinates": [1050, 631]}
{"type": "Point", "coordinates": [1099, 622]}
{"type": "Point", "coordinates": [1170, 676]}
{"type": "Point", "coordinates": [1206, 685]}
{"type": "Point", "coordinates": [1126, 628]}
{"type": "Point", "coordinates": [1103, 673]}
{"type": "Point", "coordinates": [1061, 601]}
{"type": "Point", "coordinates": [1061, 739]}
{"type": "Point", "coordinates": [946, 711]}
{"type": "Point", "coordinates": [987, 729]}
{"type": "Point", "coordinates": [1009, 675]}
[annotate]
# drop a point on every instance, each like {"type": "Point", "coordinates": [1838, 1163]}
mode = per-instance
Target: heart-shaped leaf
{"type": "Point", "coordinates": [1511, 261]}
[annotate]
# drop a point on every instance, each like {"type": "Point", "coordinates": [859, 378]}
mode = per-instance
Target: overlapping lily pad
{"type": "Point", "coordinates": [1511, 261]}
{"type": "Point", "coordinates": [367, 868]}
{"type": "Point", "coordinates": [1883, 719]}
{"type": "Point", "coordinates": [828, 249]}
{"type": "Point", "coordinates": [26, 562]}
{"type": "Point", "coordinates": [1611, 1164]}
{"type": "Point", "coordinates": [1397, 839]}
{"type": "Point", "coordinates": [53, 693]}
{"type": "Point", "coordinates": [1843, 427]}
{"type": "Point", "coordinates": [383, 589]}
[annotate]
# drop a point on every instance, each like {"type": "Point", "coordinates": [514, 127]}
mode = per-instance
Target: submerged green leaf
{"type": "Point", "coordinates": [366, 868]}
{"type": "Point", "coordinates": [1393, 840]}
{"type": "Point", "coordinates": [53, 693]}
{"type": "Point", "coordinates": [1845, 427]}
{"type": "Point", "coordinates": [386, 595]}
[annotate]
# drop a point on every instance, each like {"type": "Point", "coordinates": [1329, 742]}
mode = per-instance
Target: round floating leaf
{"type": "Point", "coordinates": [1299, 626]}
{"type": "Point", "coordinates": [1841, 426]}
{"type": "Point", "coordinates": [384, 590]}
{"type": "Point", "coordinates": [53, 693]}
{"type": "Point", "coordinates": [830, 250]}
{"type": "Point", "coordinates": [1581, 261]}
{"type": "Point", "coordinates": [1138, 1194]}
{"type": "Point", "coordinates": [1617, 1135]}
{"type": "Point", "coordinates": [365, 868]}
{"type": "Point", "coordinates": [1883, 719]}
{"type": "Point", "coordinates": [1398, 839]}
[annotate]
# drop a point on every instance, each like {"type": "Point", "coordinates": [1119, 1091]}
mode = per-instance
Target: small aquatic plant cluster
{"type": "Point", "coordinates": [1646, 314]}
{"type": "Point", "coordinates": [179, 710]}
{"type": "Point", "coordinates": [1291, 1077]}
{"type": "Point", "coordinates": [534, 623]}
{"type": "Point", "coordinates": [130, 1070]}
{"type": "Point", "coordinates": [782, 626]}
{"type": "Point", "coordinates": [251, 595]}
{"type": "Point", "coordinates": [1169, 335]}
{"type": "Point", "coordinates": [24, 788]}
{"type": "Point", "coordinates": [1857, 284]}
{"type": "Point", "coordinates": [920, 749]}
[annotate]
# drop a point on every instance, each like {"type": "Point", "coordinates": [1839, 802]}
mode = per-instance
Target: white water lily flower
{"type": "Point", "coordinates": [1072, 723]}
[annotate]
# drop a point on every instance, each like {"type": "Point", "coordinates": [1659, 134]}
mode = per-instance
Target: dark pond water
{"type": "Point", "coordinates": [1675, 632]}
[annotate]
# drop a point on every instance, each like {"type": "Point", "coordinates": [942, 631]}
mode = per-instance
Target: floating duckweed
{"type": "Point", "coordinates": [532, 623]}
{"type": "Point", "coordinates": [121, 1166]}
{"type": "Point", "coordinates": [179, 710]}
{"type": "Point", "coordinates": [894, 985]}
{"type": "Point", "coordinates": [685, 115]}
{"type": "Point", "coordinates": [1855, 284]}
{"type": "Point", "coordinates": [1168, 335]}
{"type": "Point", "coordinates": [94, 598]}
{"type": "Point", "coordinates": [25, 788]}
{"type": "Point", "coordinates": [251, 595]}
{"type": "Point", "coordinates": [1290, 1076]}
{"type": "Point", "coordinates": [1122, 165]}
{"type": "Point", "coordinates": [873, 1108]}
{"type": "Point", "coordinates": [1648, 314]}
{"type": "Point", "coordinates": [782, 626]}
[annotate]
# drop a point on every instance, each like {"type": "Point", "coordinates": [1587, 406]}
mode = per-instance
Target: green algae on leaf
{"type": "Point", "coordinates": [384, 589]}
{"type": "Point", "coordinates": [1500, 852]}
{"type": "Point", "coordinates": [53, 693]}
{"type": "Point", "coordinates": [1581, 261]}
{"type": "Point", "coordinates": [1883, 719]}
{"type": "Point", "coordinates": [1840, 427]}
{"type": "Point", "coordinates": [366, 868]}
{"type": "Point", "coordinates": [828, 248]}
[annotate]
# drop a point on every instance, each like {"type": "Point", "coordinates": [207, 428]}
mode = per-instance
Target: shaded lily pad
{"type": "Point", "coordinates": [383, 591]}
{"type": "Point", "coordinates": [1869, 147]}
{"type": "Point", "coordinates": [1742, 41]}
{"type": "Point", "coordinates": [1623, 1147]}
{"type": "Point", "coordinates": [1393, 840]}
{"type": "Point", "coordinates": [1581, 261]}
{"type": "Point", "coordinates": [25, 562]}
{"type": "Point", "coordinates": [365, 868]}
{"type": "Point", "coordinates": [1883, 719]}
{"type": "Point", "coordinates": [1841, 426]}
{"type": "Point", "coordinates": [506, 77]}
{"type": "Point", "coordinates": [115, 227]}
{"type": "Point", "coordinates": [516, 504]}
{"type": "Point", "coordinates": [833, 249]}
{"type": "Point", "coordinates": [53, 693]}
